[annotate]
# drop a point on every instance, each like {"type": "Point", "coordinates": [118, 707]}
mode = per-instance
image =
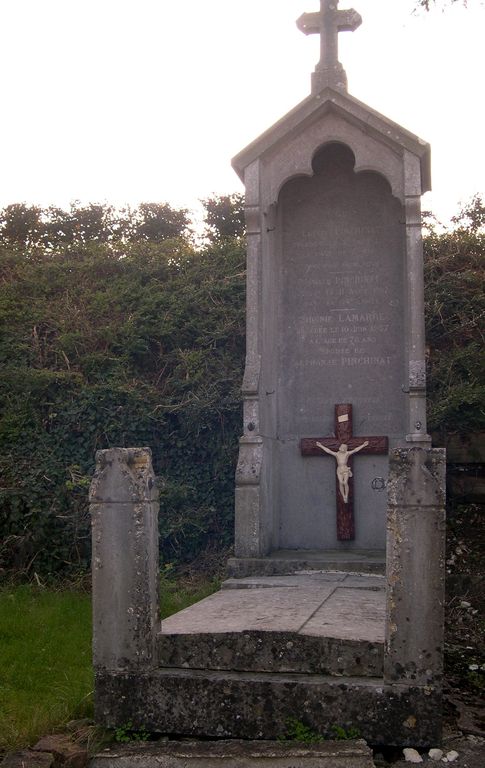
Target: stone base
{"type": "Point", "coordinates": [287, 561]}
{"type": "Point", "coordinates": [271, 652]}
{"type": "Point", "coordinates": [237, 754]}
{"type": "Point", "coordinates": [318, 623]}
{"type": "Point", "coordinates": [243, 705]}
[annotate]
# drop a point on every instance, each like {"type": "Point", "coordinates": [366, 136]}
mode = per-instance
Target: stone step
{"type": "Point", "coordinates": [270, 652]}
{"type": "Point", "coordinates": [237, 754]}
{"type": "Point", "coordinates": [330, 624]}
{"type": "Point", "coordinates": [281, 562]}
{"type": "Point", "coordinates": [257, 705]}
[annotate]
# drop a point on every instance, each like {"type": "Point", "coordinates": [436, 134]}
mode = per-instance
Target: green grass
{"type": "Point", "coordinates": [174, 596]}
{"type": "Point", "coordinates": [46, 676]}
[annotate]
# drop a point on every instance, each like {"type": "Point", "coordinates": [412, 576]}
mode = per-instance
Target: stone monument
{"type": "Point", "coordinates": [337, 483]}
{"type": "Point", "coordinates": [335, 314]}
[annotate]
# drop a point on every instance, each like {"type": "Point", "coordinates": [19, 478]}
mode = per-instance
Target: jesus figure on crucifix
{"type": "Point", "coordinates": [343, 469]}
{"type": "Point", "coordinates": [341, 445]}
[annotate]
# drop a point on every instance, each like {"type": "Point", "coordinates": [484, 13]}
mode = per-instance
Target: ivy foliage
{"type": "Point", "coordinates": [455, 322]}
{"type": "Point", "coordinates": [117, 343]}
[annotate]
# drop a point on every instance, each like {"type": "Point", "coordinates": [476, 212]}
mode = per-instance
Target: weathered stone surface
{"type": "Point", "coordinates": [237, 754]}
{"type": "Point", "coordinates": [66, 752]}
{"type": "Point", "coordinates": [258, 705]}
{"type": "Point", "coordinates": [334, 306]}
{"type": "Point", "coordinates": [326, 307]}
{"type": "Point", "coordinates": [415, 566]}
{"type": "Point", "coordinates": [332, 297]}
{"type": "Point", "coordinates": [124, 513]}
{"type": "Point", "coordinates": [371, 582]}
{"type": "Point", "coordinates": [123, 475]}
{"type": "Point", "coordinates": [412, 755]}
{"type": "Point", "coordinates": [28, 759]}
{"type": "Point", "coordinates": [237, 610]}
{"type": "Point", "coordinates": [308, 623]}
{"type": "Point", "coordinates": [350, 614]}
{"type": "Point", "coordinates": [295, 137]}
{"type": "Point", "coordinates": [281, 562]}
{"type": "Point", "coordinates": [292, 580]}
{"type": "Point", "coordinates": [417, 477]}
{"type": "Point", "coordinates": [305, 578]}
{"type": "Point", "coordinates": [328, 22]}
{"type": "Point", "coordinates": [271, 652]}
{"type": "Point", "coordinates": [471, 719]}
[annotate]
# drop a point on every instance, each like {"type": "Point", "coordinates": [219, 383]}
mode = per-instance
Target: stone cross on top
{"type": "Point", "coordinates": [328, 22]}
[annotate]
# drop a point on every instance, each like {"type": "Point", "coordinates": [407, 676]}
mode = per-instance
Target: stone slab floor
{"type": "Point", "coordinates": [308, 623]}
{"type": "Point", "coordinates": [333, 605]}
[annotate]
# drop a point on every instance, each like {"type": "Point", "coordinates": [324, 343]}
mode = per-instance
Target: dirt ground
{"type": "Point", "coordinates": [465, 620]}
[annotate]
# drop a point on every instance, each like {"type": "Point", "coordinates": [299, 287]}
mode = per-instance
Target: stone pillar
{"type": "Point", "coordinates": [417, 429]}
{"type": "Point", "coordinates": [125, 564]}
{"type": "Point", "coordinates": [252, 535]}
{"type": "Point", "coordinates": [415, 567]}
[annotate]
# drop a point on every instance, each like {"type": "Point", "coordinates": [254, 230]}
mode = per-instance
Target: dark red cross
{"type": "Point", "coordinates": [343, 434]}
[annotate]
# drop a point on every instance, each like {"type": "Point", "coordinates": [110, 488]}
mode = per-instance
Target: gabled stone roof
{"type": "Point", "coordinates": [315, 107]}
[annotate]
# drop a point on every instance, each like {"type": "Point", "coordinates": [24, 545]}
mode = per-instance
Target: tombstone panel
{"type": "Point", "coordinates": [340, 337]}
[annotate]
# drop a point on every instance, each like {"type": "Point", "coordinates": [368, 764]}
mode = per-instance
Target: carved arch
{"type": "Point", "coordinates": [295, 157]}
{"type": "Point", "coordinates": [365, 167]}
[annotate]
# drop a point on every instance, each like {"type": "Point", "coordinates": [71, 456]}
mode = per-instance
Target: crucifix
{"type": "Point", "coordinates": [342, 447]}
{"type": "Point", "coordinates": [327, 23]}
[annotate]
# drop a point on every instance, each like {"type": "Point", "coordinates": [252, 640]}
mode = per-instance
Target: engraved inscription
{"type": "Point", "coordinates": [333, 331]}
{"type": "Point", "coordinates": [343, 337]}
{"type": "Point", "coordinates": [341, 310]}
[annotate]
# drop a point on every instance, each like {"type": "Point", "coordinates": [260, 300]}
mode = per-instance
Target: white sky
{"type": "Point", "coordinates": [127, 101]}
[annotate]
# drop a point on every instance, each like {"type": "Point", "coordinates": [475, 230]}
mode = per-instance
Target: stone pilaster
{"type": "Point", "coordinates": [125, 565]}
{"type": "Point", "coordinates": [417, 430]}
{"type": "Point", "coordinates": [251, 532]}
{"type": "Point", "coordinates": [415, 567]}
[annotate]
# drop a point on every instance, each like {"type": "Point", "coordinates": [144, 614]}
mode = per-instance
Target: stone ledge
{"type": "Point", "coordinates": [255, 651]}
{"type": "Point", "coordinates": [284, 562]}
{"type": "Point", "coordinates": [237, 754]}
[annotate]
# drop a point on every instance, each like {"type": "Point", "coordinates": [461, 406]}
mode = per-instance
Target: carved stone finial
{"type": "Point", "coordinates": [327, 23]}
{"type": "Point", "coordinates": [123, 475]}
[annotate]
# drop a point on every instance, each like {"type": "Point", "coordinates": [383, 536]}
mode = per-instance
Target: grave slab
{"type": "Point", "coordinates": [272, 609]}
{"type": "Point", "coordinates": [306, 604]}
{"type": "Point", "coordinates": [311, 624]}
{"type": "Point", "coordinates": [350, 614]}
